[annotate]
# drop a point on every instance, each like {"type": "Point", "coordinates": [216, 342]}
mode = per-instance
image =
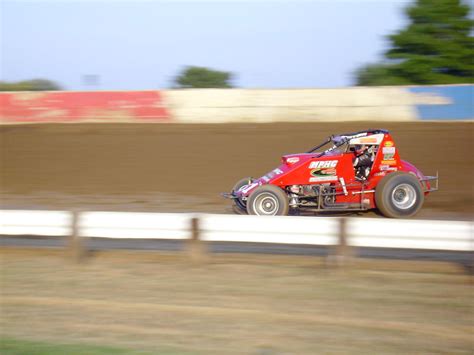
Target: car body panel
{"type": "Point", "coordinates": [335, 167]}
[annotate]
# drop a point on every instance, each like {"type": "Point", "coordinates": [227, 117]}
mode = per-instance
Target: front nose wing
{"type": "Point", "coordinates": [228, 195]}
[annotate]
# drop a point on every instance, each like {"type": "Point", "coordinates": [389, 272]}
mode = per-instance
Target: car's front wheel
{"type": "Point", "coordinates": [240, 206]}
{"type": "Point", "coordinates": [268, 200]}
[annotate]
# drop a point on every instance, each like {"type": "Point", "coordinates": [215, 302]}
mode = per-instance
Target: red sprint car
{"type": "Point", "coordinates": [347, 172]}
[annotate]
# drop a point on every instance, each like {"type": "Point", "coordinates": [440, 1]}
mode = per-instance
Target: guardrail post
{"type": "Point", "coordinates": [76, 249]}
{"type": "Point", "coordinates": [343, 252]}
{"type": "Point", "coordinates": [195, 247]}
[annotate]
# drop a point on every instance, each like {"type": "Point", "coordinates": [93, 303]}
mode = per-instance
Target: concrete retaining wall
{"type": "Point", "coordinates": [346, 104]}
{"type": "Point", "coordinates": [71, 106]}
{"type": "Point", "coordinates": [242, 105]}
{"type": "Point", "coordinates": [460, 107]}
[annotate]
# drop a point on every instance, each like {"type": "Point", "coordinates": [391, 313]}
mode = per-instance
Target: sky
{"type": "Point", "coordinates": [133, 45]}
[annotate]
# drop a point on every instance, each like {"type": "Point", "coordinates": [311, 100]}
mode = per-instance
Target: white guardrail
{"type": "Point", "coordinates": [358, 232]}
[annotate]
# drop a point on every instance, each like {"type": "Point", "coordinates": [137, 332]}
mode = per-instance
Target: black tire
{"type": "Point", "coordinates": [268, 200]}
{"type": "Point", "coordinates": [399, 195]}
{"type": "Point", "coordinates": [240, 206]}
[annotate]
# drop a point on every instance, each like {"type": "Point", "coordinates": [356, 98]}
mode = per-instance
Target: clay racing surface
{"type": "Point", "coordinates": [183, 168]}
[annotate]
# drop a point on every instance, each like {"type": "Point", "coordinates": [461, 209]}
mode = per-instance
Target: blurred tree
{"type": "Point", "coordinates": [199, 77]}
{"type": "Point", "coordinates": [30, 85]}
{"type": "Point", "coordinates": [436, 47]}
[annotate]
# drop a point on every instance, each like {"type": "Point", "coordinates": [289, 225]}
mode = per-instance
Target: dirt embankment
{"type": "Point", "coordinates": [176, 167]}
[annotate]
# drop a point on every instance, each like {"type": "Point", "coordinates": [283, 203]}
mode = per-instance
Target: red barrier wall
{"type": "Point", "coordinates": [63, 106]}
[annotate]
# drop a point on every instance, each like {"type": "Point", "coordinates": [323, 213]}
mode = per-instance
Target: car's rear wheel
{"type": "Point", "coordinates": [399, 195]}
{"type": "Point", "coordinates": [240, 206]}
{"type": "Point", "coordinates": [268, 200]}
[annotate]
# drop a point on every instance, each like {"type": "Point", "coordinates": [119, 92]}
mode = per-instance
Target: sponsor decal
{"type": "Point", "coordinates": [389, 162]}
{"type": "Point", "coordinates": [323, 172]}
{"type": "Point", "coordinates": [274, 172]}
{"type": "Point", "coordinates": [323, 178]}
{"type": "Point", "coordinates": [354, 136]}
{"type": "Point", "coordinates": [388, 150]}
{"type": "Point", "coordinates": [368, 140]}
{"type": "Point", "coordinates": [387, 168]}
{"type": "Point", "coordinates": [247, 188]}
{"type": "Point", "coordinates": [323, 164]}
{"type": "Point", "coordinates": [388, 156]}
{"type": "Point", "coordinates": [292, 160]}
{"type": "Point", "coordinates": [374, 139]}
{"type": "Point", "coordinates": [382, 173]}
{"type": "Point", "coordinates": [266, 178]}
{"type": "Point", "coordinates": [388, 144]}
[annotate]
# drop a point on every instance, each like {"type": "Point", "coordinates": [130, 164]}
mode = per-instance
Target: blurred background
{"type": "Point", "coordinates": [159, 106]}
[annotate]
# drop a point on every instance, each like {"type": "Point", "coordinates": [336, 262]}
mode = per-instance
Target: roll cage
{"type": "Point", "coordinates": [341, 139]}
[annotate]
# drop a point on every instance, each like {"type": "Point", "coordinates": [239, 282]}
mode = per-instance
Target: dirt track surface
{"type": "Point", "coordinates": [172, 167]}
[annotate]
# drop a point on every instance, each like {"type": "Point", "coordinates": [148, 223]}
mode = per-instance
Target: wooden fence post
{"type": "Point", "coordinates": [342, 252]}
{"type": "Point", "coordinates": [195, 247]}
{"type": "Point", "coordinates": [76, 249]}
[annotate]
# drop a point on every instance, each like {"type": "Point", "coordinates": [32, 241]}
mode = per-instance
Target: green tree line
{"type": "Point", "coordinates": [30, 85]}
{"type": "Point", "coordinates": [436, 47]}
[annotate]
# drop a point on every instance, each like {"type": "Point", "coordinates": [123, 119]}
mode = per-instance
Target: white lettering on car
{"type": "Point", "coordinates": [323, 178]}
{"type": "Point", "coordinates": [323, 164]}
